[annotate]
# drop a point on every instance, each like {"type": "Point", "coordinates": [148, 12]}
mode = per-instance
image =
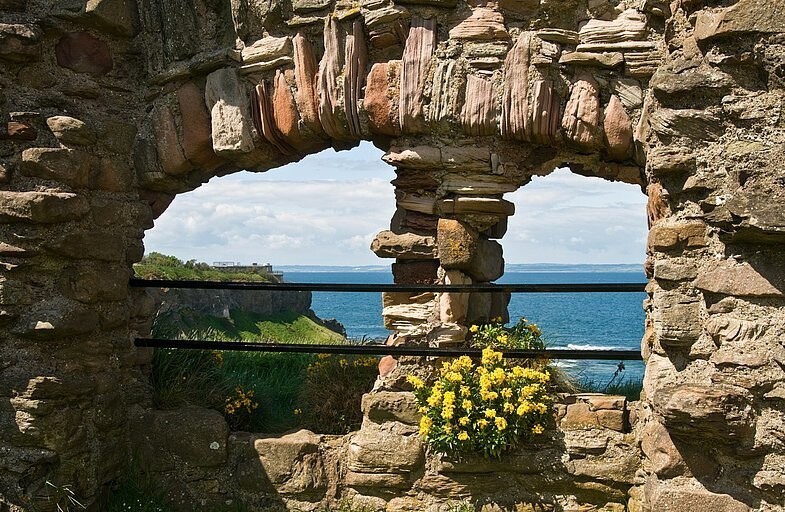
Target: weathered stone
{"type": "Point", "coordinates": [417, 157]}
{"type": "Point", "coordinates": [670, 159]}
{"type": "Point", "coordinates": [581, 118]}
{"type": "Point", "coordinates": [264, 118]}
{"type": "Point", "coordinates": [356, 63]}
{"type": "Point", "coordinates": [665, 236]}
{"type": "Point", "coordinates": [673, 270]}
{"type": "Point", "coordinates": [657, 204]}
{"type": "Point", "coordinates": [404, 246]}
{"type": "Point", "coordinates": [740, 279]}
{"type": "Point", "coordinates": [196, 141]}
{"type": "Point", "coordinates": [462, 248]}
{"type": "Point", "coordinates": [420, 45]}
{"type": "Point", "coordinates": [286, 116]}
{"type": "Point", "coordinates": [677, 318]}
{"type": "Point", "coordinates": [618, 130]}
{"type": "Point", "coordinates": [119, 17]}
{"type": "Point", "coordinates": [301, 6]}
{"type": "Point", "coordinates": [696, 124]}
{"type": "Point", "coordinates": [17, 130]}
{"type": "Point", "coordinates": [68, 130]}
{"type": "Point", "coordinates": [476, 205]}
{"type": "Point", "coordinates": [454, 307]}
{"type": "Point", "coordinates": [170, 153]}
{"type": "Point", "coordinates": [515, 102]}
{"type": "Point", "coordinates": [543, 121]}
{"type": "Point", "coordinates": [629, 26]}
{"type": "Point", "coordinates": [83, 53]}
{"type": "Point", "coordinates": [330, 69]}
{"type": "Point", "coordinates": [667, 498]}
{"type": "Point", "coordinates": [69, 166]}
{"type": "Point", "coordinates": [375, 17]}
{"type": "Point", "coordinates": [405, 317]}
{"type": "Point", "coordinates": [460, 183]}
{"type": "Point", "coordinates": [629, 92]}
{"type": "Point", "coordinates": [467, 158]}
{"type": "Point", "coordinates": [19, 42]}
{"type": "Point", "coordinates": [415, 272]}
{"type": "Point", "coordinates": [670, 86]}
{"type": "Point", "coordinates": [664, 456]}
{"type": "Point", "coordinates": [292, 462]}
{"type": "Point", "coordinates": [267, 49]}
{"type": "Point", "coordinates": [601, 60]}
{"type": "Point", "coordinates": [720, 413]}
{"type": "Point", "coordinates": [743, 16]}
{"type": "Point", "coordinates": [385, 448]}
{"type": "Point", "coordinates": [230, 113]}
{"type": "Point", "coordinates": [193, 435]}
{"type": "Point", "coordinates": [482, 24]}
{"type": "Point", "coordinates": [383, 406]}
{"type": "Point", "coordinates": [305, 70]}
{"type": "Point", "coordinates": [379, 100]}
{"type": "Point", "coordinates": [377, 480]}
{"type": "Point", "coordinates": [479, 110]}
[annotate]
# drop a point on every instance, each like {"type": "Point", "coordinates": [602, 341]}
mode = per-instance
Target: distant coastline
{"type": "Point", "coordinates": [509, 267]}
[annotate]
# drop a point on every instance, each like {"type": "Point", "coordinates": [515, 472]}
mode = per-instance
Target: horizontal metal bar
{"type": "Point", "coordinates": [336, 287]}
{"type": "Point", "coordinates": [381, 350]}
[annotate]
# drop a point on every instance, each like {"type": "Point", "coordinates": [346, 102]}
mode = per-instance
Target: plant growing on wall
{"type": "Point", "coordinates": [523, 335]}
{"type": "Point", "coordinates": [486, 408]}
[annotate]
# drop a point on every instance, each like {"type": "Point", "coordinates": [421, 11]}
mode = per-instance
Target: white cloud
{"type": "Point", "coordinates": [327, 208]}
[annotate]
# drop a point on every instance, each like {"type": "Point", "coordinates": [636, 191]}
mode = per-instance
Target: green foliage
{"type": "Point", "coordinates": [161, 266]}
{"type": "Point", "coordinates": [334, 385]}
{"type": "Point", "coordinates": [62, 497]}
{"type": "Point", "coordinates": [485, 409]}
{"type": "Point", "coordinates": [137, 493]}
{"type": "Point", "coordinates": [521, 336]}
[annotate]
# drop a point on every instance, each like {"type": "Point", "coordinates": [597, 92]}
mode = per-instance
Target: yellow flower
{"type": "Point", "coordinates": [465, 362]}
{"type": "Point", "coordinates": [538, 429]}
{"type": "Point", "coordinates": [474, 328]}
{"type": "Point", "coordinates": [490, 413]}
{"type": "Point", "coordinates": [482, 423]}
{"type": "Point", "coordinates": [506, 393]}
{"type": "Point", "coordinates": [490, 356]}
{"type": "Point", "coordinates": [449, 398]}
{"type": "Point", "coordinates": [463, 435]}
{"type": "Point", "coordinates": [453, 377]}
{"type": "Point", "coordinates": [416, 382]}
{"type": "Point", "coordinates": [436, 397]}
{"type": "Point", "coordinates": [448, 429]}
{"type": "Point", "coordinates": [425, 425]}
{"type": "Point", "coordinates": [465, 391]}
{"type": "Point", "coordinates": [422, 410]}
{"type": "Point", "coordinates": [464, 420]}
{"type": "Point", "coordinates": [467, 405]}
{"type": "Point", "coordinates": [508, 407]}
{"type": "Point", "coordinates": [501, 423]}
{"type": "Point", "coordinates": [447, 413]}
{"type": "Point", "coordinates": [298, 412]}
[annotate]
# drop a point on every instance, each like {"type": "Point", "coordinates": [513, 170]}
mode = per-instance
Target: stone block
{"type": "Point", "coordinates": [194, 436]}
{"type": "Point", "coordinates": [385, 448]}
{"type": "Point", "coordinates": [377, 480]}
{"type": "Point", "coordinates": [70, 166]}
{"type": "Point", "coordinates": [742, 17]}
{"type": "Point", "coordinates": [668, 235]}
{"type": "Point", "coordinates": [230, 112]}
{"type": "Point", "coordinates": [84, 53]}
{"type": "Point", "coordinates": [69, 130]}
{"type": "Point", "coordinates": [677, 318]}
{"type": "Point", "coordinates": [41, 207]}
{"type": "Point", "coordinates": [20, 42]}
{"type": "Point", "coordinates": [662, 454]}
{"type": "Point", "coordinates": [415, 272]}
{"type": "Point", "coordinates": [674, 270]}
{"type": "Point", "coordinates": [406, 246]}
{"type": "Point", "coordinates": [740, 279]}
{"type": "Point", "coordinates": [196, 140]}
{"type": "Point", "coordinates": [19, 130]}
{"type": "Point", "coordinates": [382, 406]}
{"type": "Point", "coordinates": [453, 307]}
{"type": "Point", "coordinates": [461, 247]}
{"type": "Point", "coordinates": [293, 463]}
{"type": "Point", "coordinates": [672, 497]}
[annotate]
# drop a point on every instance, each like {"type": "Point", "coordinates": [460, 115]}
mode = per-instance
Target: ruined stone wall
{"type": "Point", "coordinates": [112, 107]}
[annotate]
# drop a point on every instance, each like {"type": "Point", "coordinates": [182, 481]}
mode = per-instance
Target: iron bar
{"type": "Point", "coordinates": [377, 349]}
{"type": "Point", "coordinates": [411, 288]}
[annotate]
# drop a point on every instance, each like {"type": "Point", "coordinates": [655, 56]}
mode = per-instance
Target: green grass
{"type": "Point", "coordinates": [160, 266]}
{"type": "Point", "coordinates": [205, 378]}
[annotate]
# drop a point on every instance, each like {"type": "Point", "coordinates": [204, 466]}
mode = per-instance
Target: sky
{"type": "Point", "coordinates": [326, 209]}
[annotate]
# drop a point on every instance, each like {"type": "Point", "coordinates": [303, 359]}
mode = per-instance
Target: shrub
{"type": "Point", "coordinates": [486, 408]}
{"type": "Point", "coordinates": [521, 336]}
{"type": "Point", "coordinates": [330, 398]}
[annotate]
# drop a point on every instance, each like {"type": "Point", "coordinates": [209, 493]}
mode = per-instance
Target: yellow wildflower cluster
{"type": "Point", "coordinates": [241, 401]}
{"type": "Point", "coordinates": [327, 362]}
{"type": "Point", "coordinates": [523, 335]}
{"type": "Point", "coordinates": [487, 407]}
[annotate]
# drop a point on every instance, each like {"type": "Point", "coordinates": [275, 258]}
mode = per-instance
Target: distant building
{"type": "Point", "coordinates": [231, 266]}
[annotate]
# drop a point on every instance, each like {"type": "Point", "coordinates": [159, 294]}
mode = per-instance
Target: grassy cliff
{"type": "Point", "coordinates": [161, 266]}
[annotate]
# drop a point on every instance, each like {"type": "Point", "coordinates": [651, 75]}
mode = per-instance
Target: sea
{"type": "Point", "coordinates": [568, 320]}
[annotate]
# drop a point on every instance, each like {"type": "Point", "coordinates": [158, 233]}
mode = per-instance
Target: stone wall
{"type": "Point", "coordinates": [589, 459]}
{"type": "Point", "coordinates": [112, 107]}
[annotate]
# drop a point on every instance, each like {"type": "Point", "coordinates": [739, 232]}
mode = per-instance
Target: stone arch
{"type": "Point", "coordinates": [105, 123]}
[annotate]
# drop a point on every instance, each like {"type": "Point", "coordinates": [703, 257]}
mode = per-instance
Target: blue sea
{"type": "Point", "coordinates": [567, 320]}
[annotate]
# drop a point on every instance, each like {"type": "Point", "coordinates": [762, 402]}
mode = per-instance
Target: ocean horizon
{"type": "Point", "coordinates": [588, 321]}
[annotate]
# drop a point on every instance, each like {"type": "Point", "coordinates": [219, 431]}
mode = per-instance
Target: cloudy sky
{"type": "Point", "coordinates": [326, 209]}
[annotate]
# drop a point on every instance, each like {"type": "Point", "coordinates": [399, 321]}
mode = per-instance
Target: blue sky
{"type": "Point", "coordinates": [327, 208]}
